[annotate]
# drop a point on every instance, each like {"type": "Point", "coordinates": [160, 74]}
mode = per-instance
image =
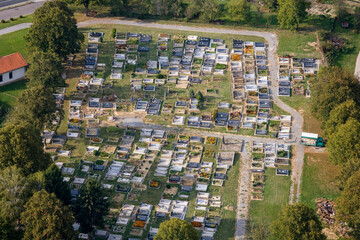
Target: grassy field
{"type": "Point", "coordinates": [9, 95]}
{"type": "Point", "coordinates": [318, 179]}
{"type": "Point", "coordinates": [25, 19]}
{"type": "Point", "coordinates": [276, 194]}
{"type": "Point", "coordinates": [303, 105]}
{"type": "Point", "coordinates": [14, 42]}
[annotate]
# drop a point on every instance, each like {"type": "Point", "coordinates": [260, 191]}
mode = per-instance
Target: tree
{"type": "Point", "coordinates": [13, 194]}
{"type": "Point", "coordinates": [238, 10]}
{"type": "Point", "coordinates": [7, 231]}
{"type": "Point", "coordinates": [54, 183]}
{"type": "Point", "coordinates": [21, 145]}
{"type": "Point", "coordinates": [45, 70]}
{"type": "Point", "coordinates": [91, 207]}
{"type": "Point", "coordinates": [340, 114]}
{"type": "Point", "coordinates": [296, 222]}
{"type": "Point", "coordinates": [332, 87]}
{"type": "Point", "coordinates": [348, 205]}
{"type": "Point", "coordinates": [86, 4]}
{"type": "Point", "coordinates": [344, 143]}
{"type": "Point", "coordinates": [176, 229]}
{"type": "Point", "coordinates": [347, 170]}
{"type": "Point", "coordinates": [209, 11]}
{"type": "Point", "coordinates": [292, 13]}
{"type": "Point", "coordinates": [340, 9]}
{"type": "Point", "coordinates": [258, 232]}
{"type": "Point", "coordinates": [54, 30]}
{"type": "Point", "coordinates": [37, 107]}
{"type": "Point", "coordinates": [140, 8]}
{"type": "Point", "coordinates": [271, 4]}
{"type": "Point", "coordinates": [176, 8]}
{"type": "Point", "coordinates": [357, 19]}
{"type": "Point", "coordinates": [45, 217]}
{"type": "Point", "coordinates": [193, 9]}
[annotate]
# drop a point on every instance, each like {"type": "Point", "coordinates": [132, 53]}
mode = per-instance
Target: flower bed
{"type": "Point", "coordinates": [211, 140]}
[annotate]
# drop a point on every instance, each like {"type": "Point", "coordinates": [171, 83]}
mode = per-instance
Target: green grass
{"type": "Point", "coordinates": [25, 19]}
{"type": "Point", "coordinates": [276, 195]}
{"type": "Point", "coordinates": [228, 192]}
{"type": "Point", "coordinates": [303, 106]}
{"type": "Point", "coordinates": [318, 179]}
{"type": "Point", "coordinates": [9, 95]}
{"type": "Point", "coordinates": [14, 42]}
{"type": "Point", "coordinates": [296, 44]}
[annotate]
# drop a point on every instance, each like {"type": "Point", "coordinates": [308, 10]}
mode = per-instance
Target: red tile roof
{"type": "Point", "coordinates": [11, 62]}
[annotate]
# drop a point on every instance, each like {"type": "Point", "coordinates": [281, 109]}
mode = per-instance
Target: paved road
{"type": "Point", "coordinates": [21, 10]}
{"type": "Point", "coordinates": [6, 3]}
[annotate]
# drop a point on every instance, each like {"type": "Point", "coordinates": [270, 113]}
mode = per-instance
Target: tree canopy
{"type": "Point", "coordinates": [292, 13]}
{"type": "Point", "coordinates": [13, 194]}
{"type": "Point", "coordinates": [91, 207]}
{"type": "Point", "coordinates": [54, 183]}
{"type": "Point", "coordinates": [45, 217]}
{"type": "Point", "coordinates": [210, 10]}
{"type": "Point", "coordinates": [36, 107]}
{"type": "Point", "coordinates": [296, 222]}
{"type": "Point", "coordinates": [176, 229]}
{"type": "Point", "coordinates": [271, 4]}
{"type": "Point", "coordinates": [332, 87]}
{"type": "Point", "coordinates": [54, 30]}
{"type": "Point", "coordinates": [238, 10]}
{"type": "Point", "coordinates": [21, 145]}
{"type": "Point", "coordinates": [344, 143]}
{"type": "Point", "coordinates": [348, 204]}
{"type": "Point", "coordinates": [45, 70]}
{"type": "Point", "coordinates": [340, 114]}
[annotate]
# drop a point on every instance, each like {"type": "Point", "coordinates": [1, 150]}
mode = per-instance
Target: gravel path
{"type": "Point", "coordinates": [357, 66]}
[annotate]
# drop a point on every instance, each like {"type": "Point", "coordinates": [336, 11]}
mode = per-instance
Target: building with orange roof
{"type": "Point", "coordinates": [12, 68]}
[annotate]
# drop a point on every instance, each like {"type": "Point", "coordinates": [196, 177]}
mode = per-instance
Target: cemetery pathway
{"type": "Point", "coordinates": [357, 66]}
{"type": "Point", "coordinates": [272, 41]}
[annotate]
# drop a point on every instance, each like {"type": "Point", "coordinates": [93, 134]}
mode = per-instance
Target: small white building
{"type": "Point", "coordinates": [12, 68]}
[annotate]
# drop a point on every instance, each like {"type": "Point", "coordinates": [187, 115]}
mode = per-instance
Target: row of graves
{"type": "Point", "coordinates": [293, 74]}
{"type": "Point", "coordinates": [194, 165]}
{"type": "Point", "coordinates": [249, 71]}
{"type": "Point", "coordinates": [129, 161]}
{"type": "Point", "coordinates": [267, 155]}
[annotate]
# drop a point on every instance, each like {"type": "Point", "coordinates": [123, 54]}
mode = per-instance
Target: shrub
{"type": "Point", "coordinates": [113, 32]}
{"type": "Point", "coordinates": [21, 16]}
{"type": "Point", "coordinates": [12, 19]}
{"type": "Point", "coordinates": [3, 21]}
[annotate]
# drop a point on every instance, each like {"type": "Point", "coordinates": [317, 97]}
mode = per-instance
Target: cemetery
{"type": "Point", "coordinates": [177, 81]}
{"type": "Point", "coordinates": [294, 76]}
{"type": "Point", "coordinates": [151, 176]}
{"type": "Point", "coordinates": [186, 81]}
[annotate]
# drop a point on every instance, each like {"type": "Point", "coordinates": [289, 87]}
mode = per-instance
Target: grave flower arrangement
{"type": "Point", "coordinates": [211, 140]}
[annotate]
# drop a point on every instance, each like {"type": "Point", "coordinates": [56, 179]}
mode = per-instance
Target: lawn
{"type": "Point", "coordinates": [25, 19]}
{"type": "Point", "coordinates": [9, 95]}
{"type": "Point", "coordinates": [318, 179]}
{"type": "Point", "coordinates": [303, 106]}
{"type": "Point", "coordinates": [14, 42]}
{"type": "Point", "coordinates": [276, 194]}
